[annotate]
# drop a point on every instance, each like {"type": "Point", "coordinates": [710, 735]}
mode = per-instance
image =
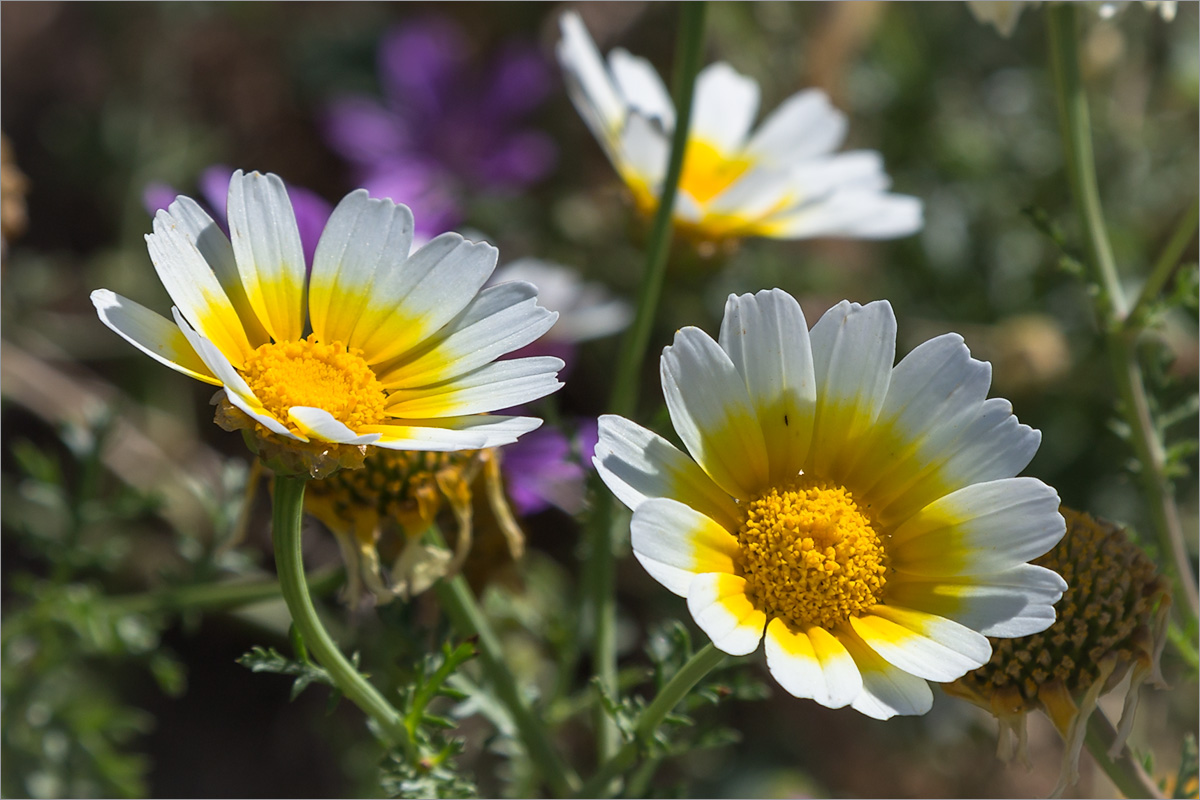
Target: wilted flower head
{"type": "Point", "coordinates": [865, 516]}
{"type": "Point", "coordinates": [446, 123]}
{"type": "Point", "coordinates": [374, 347]}
{"type": "Point", "coordinates": [782, 181]}
{"type": "Point", "coordinates": [312, 211]}
{"type": "Point", "coordinates": [1111, 623]}
{"type": "Point", "coordinates": [382, 512]}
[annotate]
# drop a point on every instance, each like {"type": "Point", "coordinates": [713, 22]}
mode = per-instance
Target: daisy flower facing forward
{"type": "Point", "coordinates": [866, 516]}
{"type": "Point", "coordinates": [378, 346]}
{"type": "Point", "coordinates": [783, 181]}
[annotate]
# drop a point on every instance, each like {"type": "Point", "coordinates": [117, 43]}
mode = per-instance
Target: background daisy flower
{"type": "Point", "coordinates": [377, 347]}
{"type": "Point", "coordinates": [782, 181]}
{"type": "Point", "coordinates": [865, 516]}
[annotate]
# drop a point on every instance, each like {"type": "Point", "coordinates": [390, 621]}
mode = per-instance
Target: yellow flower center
{"type": "Point", "coordinates": [810, 555]}
{"type": "Point", "coordinates": [707, 171]}
{"type": "Point", "coordinates": [312, 373]}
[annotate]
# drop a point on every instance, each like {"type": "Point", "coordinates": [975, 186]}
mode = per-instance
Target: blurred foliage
{"type": "Point", "coordinates": [101, 99]}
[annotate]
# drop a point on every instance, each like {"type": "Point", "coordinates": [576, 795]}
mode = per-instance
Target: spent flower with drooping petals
{"type": "Point", "coordinates": [783, 180]}
{"type": "Point", "coordinates": [375, 346]}
{"type": "Point", "coordinates": [866, 516]}
{"type": "Point", "coordinates": [1112, 622]}
{"type": "Point", "coordinates": [446, 124]}
{"type": "Point", "coordinates": [380, 514]}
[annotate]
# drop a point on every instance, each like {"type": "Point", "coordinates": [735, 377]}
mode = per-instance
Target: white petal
{"type": "Point", "coordinates": [317, 423]}
{"type": "Point", "coordinates": [637, 464]}
{"type": "Point", "coordinates": [925, 645]}
{"type": "Point", "coordinates": [194, 288]}
{"type": "Point", "coordinates": [364, 240]}
{"type": "Point", "coordinates": [887, 690]}
{"type": "Point", "coordinates": [499, 320]}
{"type": "Point", "coordinates": [409, 305]}
{"type": "Point", "coordinates": [1016, 602]}
{"type": "Point", "coordinates": [720, 607]}
{"type": "Point", "coordinates": [236, 388]}
{"type": "Point", "coordinates": [641, 87]}
{"type": "Point", "coordinates": [712, 414]}
{"type": "Point", "coordinates": [495, 430]}
{"type": "Point", "coordinates": [812, 664]}
{"type": "Point", "coordinates": [853, 350]}
{"type": "Point", "coordinates": [151, 333]}
{"type": "Point", "coordinates": [935, 393]}
{"type": "Point", "coordinates": [195, 224]}
{"type": "Point", "coordinates": [853, 213]}
{"type": "Point", "coordinates": [501, 384]}
{"type": "Point", "coordinates": [980, 529]}
{"type": "Point", "coordinates": [270, 258]}
{"type": "Point", "coordinates": [805, 125]}
{"type": "Point", "coordinates": [588, 82]}
{"type": "Point", "coordinates": [993, 446]}
{"type": "Point", "coordinates": [643, 151]}
{"type": "Point", "coordinates": [675, 543]}
{"type": "Point", "coordinates": [766, 337]}
{"type": "Point", "coordinates": [586, 310]}
{"type": "Point", "coordinates": [726, 103]}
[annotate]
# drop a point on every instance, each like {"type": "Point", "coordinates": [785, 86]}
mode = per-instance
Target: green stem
{"type": "Point", "coordinates": [689, 51]}
{"type": "Point", "coordinates": [1111, 305]}
{"type": "Point", "coordinates": [600, 582]}
{"type": "Point", "coordinates": [1075, 123]}
{"type": "Point", "coordinates": [458, 601]}
{"type": "Point", "coordinates": [1166, 265]}
{"type": "Point", "coordinates": [288, 511]}
{"type": "Point", "coordinates": [1123, 770]}
{"type": "Point", "coordinates": [676, 689]}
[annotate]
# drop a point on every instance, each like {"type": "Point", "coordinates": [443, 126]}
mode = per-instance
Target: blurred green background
{"type": "Point", "coordinates": [101, 99]}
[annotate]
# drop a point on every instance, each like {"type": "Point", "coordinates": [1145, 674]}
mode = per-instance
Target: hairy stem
{"type": "Point", "coordinates": [1123, 769]}
{"type": "Point", "coordinates": [1111, 305]}
{"type": "Point", "coordinates": [459, 603]}
{"type": "Point", "coordinates": [288, 511]}
{"type": "Point", "coordinates": [682, 682]}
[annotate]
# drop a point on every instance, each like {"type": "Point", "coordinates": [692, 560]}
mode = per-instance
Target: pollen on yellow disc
{"type": "Point", "coordinates": [318, 374]}
{"type": "Point", "coordinates": [810, 555]}
{"type": "Point", "coordinates": [707, 172]}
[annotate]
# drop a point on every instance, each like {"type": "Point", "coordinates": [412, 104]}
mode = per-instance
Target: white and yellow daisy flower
{"type": "Point", "coordinates": [865, 516]}
{"type": "Point", "coordinates": [783, 181]}
{"type": "Point", "coordinates": [377, 346]}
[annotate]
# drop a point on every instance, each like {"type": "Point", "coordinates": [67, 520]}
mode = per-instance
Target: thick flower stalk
{"type": "Point", "coordinates": [1112, 623]}
{"type": "Point", "coordinates": [864, 519]}
{"type": "Point", "coordinates": [783, 180]}
{"type": "Point", "coordinates": [376, 347]}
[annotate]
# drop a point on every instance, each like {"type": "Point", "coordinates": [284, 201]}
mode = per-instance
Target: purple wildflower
{"type": "Point", "coordinates": [445, 121]}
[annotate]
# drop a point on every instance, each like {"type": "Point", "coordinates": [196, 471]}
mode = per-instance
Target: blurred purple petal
{"type": "Point", "coordinates": [362, 131]}
{"type": "Point", "coordinates": [312, 212]}
{"type": "Point", "coordinates": [540, 470]}
{"type": "Point", "coordinates": [419, 65]}
{"type": "Point", "coordinates": [214, 185]}
{"type": "Point", "coordinates": [519, 160]}
{"type": "Point", "coordinates": [521, 80]}
{"type": "Point", "coordinates": [158, 195]}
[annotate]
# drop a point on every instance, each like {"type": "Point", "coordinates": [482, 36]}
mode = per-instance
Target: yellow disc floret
{"type": "Point", "coordinates": [318, 374]}
{"type": "Point", "coordinates": [810, 555]}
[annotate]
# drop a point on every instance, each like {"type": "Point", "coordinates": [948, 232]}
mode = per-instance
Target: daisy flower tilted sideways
{"type": "Point", "coordinates": [863, 519]}
{"type": "Point", "coordinates": [782, 181]}
{"type": "Point", "coordinates": [378, 346]}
